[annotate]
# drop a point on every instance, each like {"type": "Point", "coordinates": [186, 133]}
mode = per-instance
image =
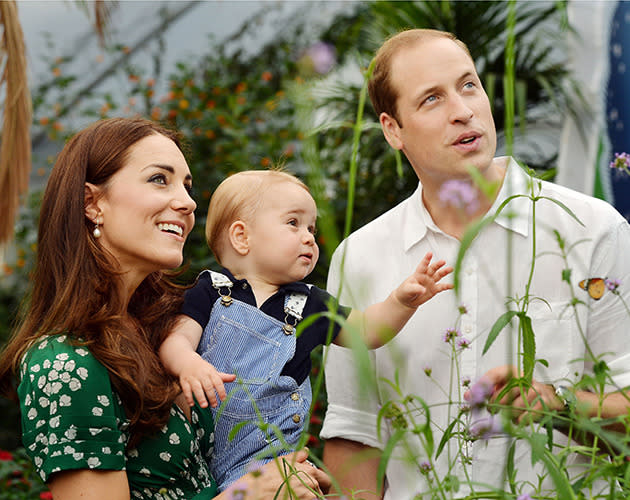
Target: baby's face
{"type": "Point", "coordinates": [282, 234]}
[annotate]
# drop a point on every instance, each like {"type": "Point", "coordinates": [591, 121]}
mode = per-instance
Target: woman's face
{"type": "Point", "coordinates": [146, 208]}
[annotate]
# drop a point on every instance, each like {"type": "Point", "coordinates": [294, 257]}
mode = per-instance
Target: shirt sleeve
{"type": "Point", "coordinates": [322, 301]}
{"type": "Point", "coordinates": [70, 419]}
{"type": "Point", "coordinates": [199, 299]}
{"type": "Point", "coordinates": [352, 408]}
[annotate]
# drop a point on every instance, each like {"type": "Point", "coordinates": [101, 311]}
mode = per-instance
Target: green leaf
{"type": "Point", "coordinates": [559, 478]}
{"type": "Point", "coordinates": [499, 325]}
{"type": "Point", "coordinates": [451, 483]}
{"type": "Point", "coordinates": [387, 452]}
{"type": "Point", "coordinates": [529, 345]}
{"type": "Point", "coordinates": [564, 207]}
{"type": "Point", "coordinates": [538, 443]}
{"type": "Point", "coordinates": [510, 469]}
{"type": "Point", "coordinates": [488, 188]}
{"type": "Point", "coordinates": [566, 275]}
{"type": "Point", "coordinates": [445, 437]}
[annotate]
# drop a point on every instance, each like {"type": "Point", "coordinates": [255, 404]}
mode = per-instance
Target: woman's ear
{"type": "Point", "coordinates": [237, 236]}
{"type": "Point", "coordinates": [391, 131]}
{"type": "Point", "coordinates": [92, 194]}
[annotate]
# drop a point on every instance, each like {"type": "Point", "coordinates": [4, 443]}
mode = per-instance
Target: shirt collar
{"type": "Point", "coordinates": [296, 287]}
{"type": "Point", "coordinates": [516, 214]}
{"type": "Point", "coordinates": [417, 220]}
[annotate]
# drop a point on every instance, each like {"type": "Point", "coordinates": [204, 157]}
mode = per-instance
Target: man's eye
{"type": "Point", "coordinates": [430, 99]}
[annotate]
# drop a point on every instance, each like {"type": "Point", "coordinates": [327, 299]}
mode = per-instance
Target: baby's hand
{"type": "Point", "coordinates": [201, 379]}
{"type": "Point", "coordinates": [424, 283]}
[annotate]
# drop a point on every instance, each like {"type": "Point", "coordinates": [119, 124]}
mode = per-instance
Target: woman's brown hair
{"type": "Point", "coordinates": [75, 286]}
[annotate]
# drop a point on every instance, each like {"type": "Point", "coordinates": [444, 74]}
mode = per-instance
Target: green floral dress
{"type": "Point", "coordinates": [72, 419]}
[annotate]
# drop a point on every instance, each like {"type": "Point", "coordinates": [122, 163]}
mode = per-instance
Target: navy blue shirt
{"type": "Point", "coordinates": [199, 300]}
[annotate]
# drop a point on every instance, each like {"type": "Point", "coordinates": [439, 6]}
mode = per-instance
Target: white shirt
{"type": "Point", "coordinates": [379, 256]}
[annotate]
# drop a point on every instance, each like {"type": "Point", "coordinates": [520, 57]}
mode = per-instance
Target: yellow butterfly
{"type": "Point", "coordinates": [594, 286]}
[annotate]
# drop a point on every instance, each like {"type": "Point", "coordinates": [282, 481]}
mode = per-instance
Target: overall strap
{"type": "Point", "coordinates": [220, 281]}
{"type": "Point", "coordinates": [294, 306]}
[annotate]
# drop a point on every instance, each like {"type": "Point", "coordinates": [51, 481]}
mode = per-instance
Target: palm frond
{"type": "Point", "coordinates": [99, 16]}
{"type": "Point", "coordinates": [15, 149]}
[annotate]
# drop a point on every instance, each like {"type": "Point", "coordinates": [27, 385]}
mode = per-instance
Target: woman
{"type": "Point", "coordinates": [100, 418]}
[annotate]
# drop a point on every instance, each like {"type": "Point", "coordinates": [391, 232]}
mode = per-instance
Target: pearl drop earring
{"type": "Point", "coordinates": [97, 231]}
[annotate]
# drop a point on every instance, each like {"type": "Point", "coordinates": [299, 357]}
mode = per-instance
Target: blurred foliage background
{"type": "Point", "coordinates": [294, 101]}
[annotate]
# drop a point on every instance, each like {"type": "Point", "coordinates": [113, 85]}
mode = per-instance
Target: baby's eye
{"type": "Point", "coordinates": [158, 179]}
{"type": "Point", "coordinates": [312, 230]}
{"type": "Point", "coordinates": [292, 222]}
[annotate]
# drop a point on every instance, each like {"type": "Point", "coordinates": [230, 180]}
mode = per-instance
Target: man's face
{"type": "Point", "coordinates": [446, 124]}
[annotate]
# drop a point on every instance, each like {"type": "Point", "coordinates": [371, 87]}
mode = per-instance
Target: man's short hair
{"type": "Point", "coordinates": [380, 86]}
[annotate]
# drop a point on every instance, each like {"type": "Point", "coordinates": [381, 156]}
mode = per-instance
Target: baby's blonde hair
{"type": "Point", "coordinates": [237, 198]}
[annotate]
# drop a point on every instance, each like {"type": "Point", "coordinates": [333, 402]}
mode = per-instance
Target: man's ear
{"type": "Point", "coordinates": [92, 195]}
{"type": "Point", "coordinates": [237, 236]}
{"type": "Point", "coordinates": [391, 130]}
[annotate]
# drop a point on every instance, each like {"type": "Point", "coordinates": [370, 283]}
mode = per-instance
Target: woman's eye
{"type": "Point", "coordinates": [158, 179]}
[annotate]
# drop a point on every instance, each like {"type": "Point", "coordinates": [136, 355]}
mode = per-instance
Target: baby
{"type": "Point", "coordinates": [238, 327]}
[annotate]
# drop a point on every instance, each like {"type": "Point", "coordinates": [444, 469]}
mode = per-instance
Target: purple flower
{"type": "Point", "coordinates": [459, 194]}
{"type": "Point", "coordinates": [621, 161]}
{"type": "Point", "coordinates": [479, 392]}
{"type": "Point", "coordinates": [237, 490]}
{"type": "Point", "coordinates": [323, 57]}
{"type": "Point", "coordinates": [486, 427]}
{"type": "Point", "coordinates": [451, 334]}
{"type": "Point", "coordinates": [255, 468]}
{"type": "Point", "coordinates": [466, 381]}
{"type": "Point", "coordinates": [464, 408]}
{"type": "Point", "coordinates": [524, 496]}
{"type": "Point", "coordinates": [612, 285]}
{"type": "Point", "coordinates": [463, 343]}
{"type": "Point", "coordinates": [425, 467]}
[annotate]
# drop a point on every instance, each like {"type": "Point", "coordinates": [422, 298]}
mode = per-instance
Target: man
{"type": "Point", "coordinates": [432, 107]}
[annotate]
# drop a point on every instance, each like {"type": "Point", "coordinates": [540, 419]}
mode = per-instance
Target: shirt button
{"type": "Point", "coordinates": [296, 418]}
{"type": "Point", "coordinates": [295, 396]}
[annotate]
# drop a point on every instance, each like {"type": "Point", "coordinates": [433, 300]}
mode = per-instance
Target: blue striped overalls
{"type": "Point", "coordinates": [241, 339]}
